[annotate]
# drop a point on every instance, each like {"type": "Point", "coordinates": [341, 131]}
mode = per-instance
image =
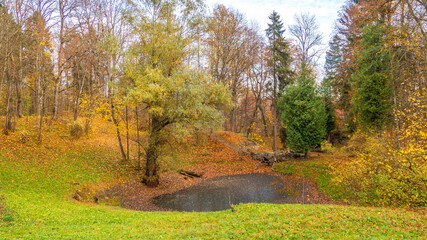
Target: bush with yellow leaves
{"type": "Point", "coordinates": [76, 129]}
{"type": "Point", "coordinates": [391, 169]}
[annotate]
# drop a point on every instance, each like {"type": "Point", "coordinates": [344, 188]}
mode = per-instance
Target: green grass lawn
{"type": "Point", "coordinates": [318, 169]}
{"type": "Point", "coordinates": [36, 184]}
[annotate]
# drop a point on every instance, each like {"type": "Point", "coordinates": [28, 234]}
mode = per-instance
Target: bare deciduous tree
{"type": "Point", "coordinates": [307, 37]}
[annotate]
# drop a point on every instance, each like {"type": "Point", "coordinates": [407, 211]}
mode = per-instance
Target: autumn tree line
{"type": "Point", "coordinates": [171, 63]}
{"type": "Point", "coordinates": [376, 78]}
{"type": "Point", "coordinates": [179, 67]}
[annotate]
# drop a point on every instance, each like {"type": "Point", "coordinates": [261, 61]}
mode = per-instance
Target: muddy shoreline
{"type": "Point", "coordinates": [134, 195]}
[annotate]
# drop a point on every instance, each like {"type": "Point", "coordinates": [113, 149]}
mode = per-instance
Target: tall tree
{"type": "Point", "coordinates": [258, 77]}
{"type": "Point", "coordinates": [307, 37]}
{"type": "Point", "coordinates": [373, 91]}
{"type": "Point", "coordinates": [173, 93]}
{"type": "Point", "coordinates": [65, 9]}
{"type": "Point", "coordinates": [231, 45]}
{"type": "Point", "coordinates": [280, 65]}
{"type": "Point", "coordinates": [10, 37]}
{"type": "Point", "coordinates": [40, 68]}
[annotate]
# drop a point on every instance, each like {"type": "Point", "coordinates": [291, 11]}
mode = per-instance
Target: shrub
{"type": "Point", "coordinates": [359, 143]}
{"type": "Point", "coordinates": [24, 136]}
{"type": "Point", "coordinates": [327, 147]}
{"type": "Point", "coordinates": [383, 174]}
{"type": "Point", "coordinates": [76, 129]}
{"type": "Point", "coordinates": [88, 127]}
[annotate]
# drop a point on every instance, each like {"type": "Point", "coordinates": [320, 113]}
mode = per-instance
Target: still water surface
{"type": "Point", "coordinates": [220, 193]}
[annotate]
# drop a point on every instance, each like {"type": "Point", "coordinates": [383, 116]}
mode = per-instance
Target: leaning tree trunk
{"type": "Point", "coordinates": [116, 123]}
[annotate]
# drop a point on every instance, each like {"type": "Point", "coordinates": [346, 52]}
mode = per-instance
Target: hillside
{"type": "Point", "coordinates": [38, 182]}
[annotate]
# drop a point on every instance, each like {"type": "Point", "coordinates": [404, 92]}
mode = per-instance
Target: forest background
{"type": "Point", "coordinates": [171, 68]}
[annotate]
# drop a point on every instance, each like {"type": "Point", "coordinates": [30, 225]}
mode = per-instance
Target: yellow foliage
{"type": "Point", "coordinates": [390, 169]}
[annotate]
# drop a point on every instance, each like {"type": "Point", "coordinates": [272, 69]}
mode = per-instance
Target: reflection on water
{"type": "Point", "coordinates": [220, 193]}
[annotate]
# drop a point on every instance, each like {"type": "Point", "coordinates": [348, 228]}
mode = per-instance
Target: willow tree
{"type": "Point", "coordinates": [177, 97]}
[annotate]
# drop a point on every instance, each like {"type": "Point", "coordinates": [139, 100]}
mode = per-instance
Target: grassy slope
{"type": "Point", "coordinates": [317, 168]}
{"type": "Point", "coordinates": [36, 183]}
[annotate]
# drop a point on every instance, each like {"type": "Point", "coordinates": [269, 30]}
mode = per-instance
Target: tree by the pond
{"type": "Point", "coordinates": [174, 94]}
{"type": "Point", "coordinates": [303, 113]}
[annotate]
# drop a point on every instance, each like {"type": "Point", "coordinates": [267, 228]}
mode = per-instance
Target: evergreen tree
{"type": "Point", "coordinates": [281, 57]}
{"type": "Point", "coordinates": [330, 88]}
{"type": "Point", "coordinates": [303, 113]}
{"type": "Point", "coordinates": [326, 93]}
{"type": "Point", "coordinates": [280, 65]}
{"type": "Point", "coordinates": [372, 102]}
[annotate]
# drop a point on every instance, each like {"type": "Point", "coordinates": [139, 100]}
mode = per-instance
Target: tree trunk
{"type": "Point", "coordinates": [254, 116]}
{"type": "Point", "coordinates": [306, 154]}
{"type": "Point", "coordinates": [19, 87]}
{"type": "Point", "coordinates": [151, 178]}
{"type": "Point", "coordinates": [264, 121]}
{"type": "Point", "coordinates": [41, 119]}
{"type": "Point", "coordinates": [9, 108]}
{"type": "Point", "coordinates": [274, 131]}
{"type": "Point", "coordinates": [155, 142]}
{"type": "Point", "coordinates": [19, 100]}
{"type": "Point", "coordinates": [113, 116]}
{"type": "Point", "coordinates": [127, 133]}
{"type": "Point", "coordinates": [76, 106]}
{"type": "Point", "coordinates": [58, 80]}
{"type": "Point", "coordinates": [137, 139]}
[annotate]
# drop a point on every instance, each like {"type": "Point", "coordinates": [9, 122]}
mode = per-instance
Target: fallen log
{"type": "Point", "coordinates": [269, 158]}
{"type": "Point", "coordinates": [190, 173]}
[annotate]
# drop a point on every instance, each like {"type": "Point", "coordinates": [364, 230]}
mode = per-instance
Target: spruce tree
{"type": "Point", "coordinates": [281, 57]}
{"type": "Point", "coordinates": [279, 64]}
{"type": "Point", "coordinates": [303, 113]}
{"type": "Point", "coordinates": [329, 86]}
{"type": "Point", "coordinates": [327, 98]}
{"type": "Point", "coordinates": [372, 102]}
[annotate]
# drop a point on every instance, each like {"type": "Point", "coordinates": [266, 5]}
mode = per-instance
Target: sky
{"type": "Point", "coordinates": [326, 12]}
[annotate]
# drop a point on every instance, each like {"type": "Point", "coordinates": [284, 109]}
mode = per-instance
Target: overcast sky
{"type": "Point", "coordinates": [259, 10]}
{"type": "Point", "coordinates": [326, 12]}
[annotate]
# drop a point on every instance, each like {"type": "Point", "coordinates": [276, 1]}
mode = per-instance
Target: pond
{"type": "Point", "coordinates": [220, 193]}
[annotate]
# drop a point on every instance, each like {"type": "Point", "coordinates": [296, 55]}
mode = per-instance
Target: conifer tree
{"type": "Point", "coordinates": [372, 102]}
{"type": "Point", "coordinates": [280, 64]}
{"type": "Point", "coordinates": [303, 113]}
{"type": "Point", "coordinates": [281, 57]}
